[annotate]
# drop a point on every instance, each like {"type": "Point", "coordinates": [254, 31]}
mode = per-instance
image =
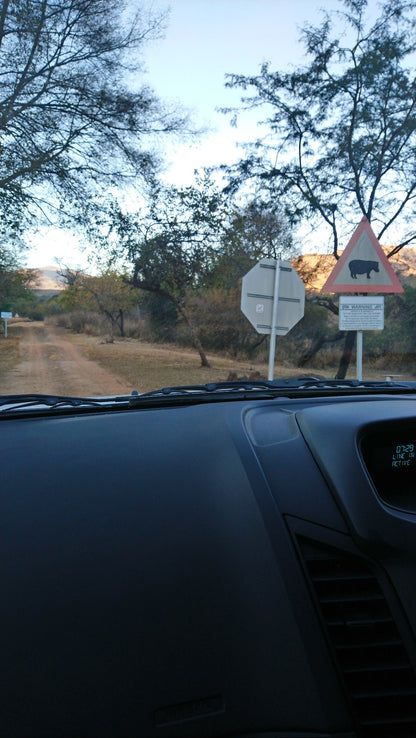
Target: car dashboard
{"type": "Point", "coordinates": [241, 568]}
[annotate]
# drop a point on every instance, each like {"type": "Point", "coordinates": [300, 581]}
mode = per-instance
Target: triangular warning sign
{"type": "Point", "coordinates": [363, 266]}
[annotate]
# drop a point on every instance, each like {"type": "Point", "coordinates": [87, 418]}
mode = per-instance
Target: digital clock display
{"type": "Point", "coordinates": [390, 458]}
{"type": "Point", "coordinates": [403, 455]}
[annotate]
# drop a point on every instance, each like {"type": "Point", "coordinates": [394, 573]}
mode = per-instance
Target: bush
{"type": "Point", "coordinates": [220, 324]}
{"type": "Point", "coordinates": [159, 318]}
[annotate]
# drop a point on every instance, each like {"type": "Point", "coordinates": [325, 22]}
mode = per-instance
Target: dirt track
{"type": "Point", "coordinates": [51, 364]}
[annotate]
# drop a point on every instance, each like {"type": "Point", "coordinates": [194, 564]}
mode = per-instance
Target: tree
{"type": "Point", "coordinates": [15, 284]}
{"type": "Point", "coordinates": [68, 120]}
{"type": "Point", "coordinates": [251, 231]}
{"type": "Point", "coordinates": [106, 293]}
{"type": "Point", "coordinates": [341, 139]}
{"type": "Point", "coordinates": [343, 128]}
{"type": "Point", "coordinates": [168, 248]}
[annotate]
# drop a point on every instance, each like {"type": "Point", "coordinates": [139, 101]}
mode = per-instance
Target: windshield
{"type": "Point", "coordinates": [204, 192]}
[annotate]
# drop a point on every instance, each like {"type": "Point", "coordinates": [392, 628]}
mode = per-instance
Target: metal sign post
{"type": "Point", "coordinates": [6, 316]}
{"type": "Point", "coordinates": [272, 349]}
{"type": "Point", "coordinates": [359, 355]}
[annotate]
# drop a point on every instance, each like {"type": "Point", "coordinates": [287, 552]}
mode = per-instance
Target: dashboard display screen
{"type": "Point", "coordinates": [403, 455]}
{"type": "Point", "coordinates": [390, 458]}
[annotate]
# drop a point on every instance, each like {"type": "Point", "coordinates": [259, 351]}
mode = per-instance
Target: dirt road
{"type": "Point", "coordinates": [50, 364]}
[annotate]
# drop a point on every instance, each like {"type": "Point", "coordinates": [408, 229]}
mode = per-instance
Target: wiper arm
{"type": "Point", "coordinates": [21, 402]}
{"type": "Point", "coordinates": [211, 387]}
{"type": "Point", "coordinates": [292, 386]}
{"type": "Point", "coordinates": [256, 389]}
{"type": "Point", "coordinates": [276, 385]}
{"type": "Point", "coordinates": [313, 382]}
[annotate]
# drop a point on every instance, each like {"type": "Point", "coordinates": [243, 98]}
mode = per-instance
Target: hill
{"type": "Point", "coordinates": [46, 281]}
{"type": "Point", "coordinates": [314, 269]}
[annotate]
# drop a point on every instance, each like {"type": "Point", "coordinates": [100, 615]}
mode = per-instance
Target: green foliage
{"type": "Point", "coordinates": [108, 293]}
{"type": "Point", "coordinates": [68, 120]}
{"type": "Point", "coordinates": [250, 232]}
{"type": "Point", "coordinates": [223, 327]}
{"type": "Point", "coordinates": [315, 322]}
{"type": "Point", "coordinates": [161, 315]}
{"type": "Point", "coordinates": [341, 130]}
{"type": "Point", "coordinates": [396, 344]}
{"type": "Point", "coordinates": [54, 305]}
{"type": "Point", "coordinates": [220, 322]}
{"type": "Point", "coordinates": [15, 287]}
{"type": "Point", "coordinates": [167, 247]}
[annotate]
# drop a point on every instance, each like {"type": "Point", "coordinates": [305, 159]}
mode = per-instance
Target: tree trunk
{"type": "Point", "coordinates": [251, 349]}
{"type": "Point", "coordinates": [346, 355]}
{"type": "Point", "coordinates": [311, 352]}
{"type": "Point", "coordinates": [121, 316]}
{"type": "Point", "coordinates": [316, 345]}
{"type": "Point", "coordinates": [197, 343]}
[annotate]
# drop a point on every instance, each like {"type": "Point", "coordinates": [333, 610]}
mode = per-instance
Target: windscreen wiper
{"type": "Point", "coordinates": [209, 388]}
{"type": "Point", "coordinates": [291, 387]}
{"type": "Point", "coordinates": [304, 386]}
{"type": "Point", "coordinates": [32, 401]}
{"type": "Point", "coordinates": [307, 382]}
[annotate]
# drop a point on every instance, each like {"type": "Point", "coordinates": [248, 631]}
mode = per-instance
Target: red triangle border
{"type": "Point", "coordinates": [395, 286]}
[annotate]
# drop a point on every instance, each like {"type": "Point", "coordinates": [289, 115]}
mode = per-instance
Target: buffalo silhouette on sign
{"type": "Point", "coordinates": [360, 266]}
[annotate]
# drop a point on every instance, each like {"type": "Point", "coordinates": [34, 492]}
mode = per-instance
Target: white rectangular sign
{"type": "Point", "coordinates": [361, 313]}
{"type": "Point", "coordinates": [6, 316]}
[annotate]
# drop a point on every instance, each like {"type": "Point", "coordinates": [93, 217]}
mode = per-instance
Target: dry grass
{"type": "Point", "coordinates": [145, 366]}
{"type": "Point", "coordinates": [9, 350]}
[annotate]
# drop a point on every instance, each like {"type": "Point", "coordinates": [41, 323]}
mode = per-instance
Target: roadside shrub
{"type": "Point", "coordinates": [96, 324]}
{"type": "Point", "coordinates": [159, 316]}
{"type": "Point", "coordinates": [220, 324]}
{"type": "Point", "coordinates": [62, 321]}
{"type": "Point", "coordinates": [135, 326]}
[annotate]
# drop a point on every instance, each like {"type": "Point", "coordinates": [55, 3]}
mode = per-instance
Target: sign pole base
{"type": "Point", "coordinates": [359, 355]}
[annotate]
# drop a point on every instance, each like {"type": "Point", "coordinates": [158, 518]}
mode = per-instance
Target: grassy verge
{"type": "Point", "coordinates": [145, 366]}
{"type": "Point", "coordinates": [9, 349]}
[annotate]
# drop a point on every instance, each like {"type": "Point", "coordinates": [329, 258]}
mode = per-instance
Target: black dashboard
{"type": "Point", "coordinates": [241, 568]}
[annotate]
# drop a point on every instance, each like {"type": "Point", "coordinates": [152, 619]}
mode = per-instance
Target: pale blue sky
{"type": "Point", "coordinates": [204, 40]}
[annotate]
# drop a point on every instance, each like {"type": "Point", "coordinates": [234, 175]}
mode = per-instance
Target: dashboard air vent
{"type": "Point", "coordinates": [367, 644]}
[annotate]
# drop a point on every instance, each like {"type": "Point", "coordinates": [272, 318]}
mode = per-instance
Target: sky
{"type": "Point", "coordinates": [203, 41]}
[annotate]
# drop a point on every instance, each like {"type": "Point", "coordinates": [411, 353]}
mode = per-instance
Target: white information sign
{"type": "Point", "coordinates": [5, 316]}
{"type": "Point", "coordinates": [361, 313]}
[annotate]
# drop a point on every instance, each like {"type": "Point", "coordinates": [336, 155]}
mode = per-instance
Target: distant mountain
{"type": "Point", "coordinates": [46, 281]}
{"type": "Point", "coordinates": [315, 269]}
